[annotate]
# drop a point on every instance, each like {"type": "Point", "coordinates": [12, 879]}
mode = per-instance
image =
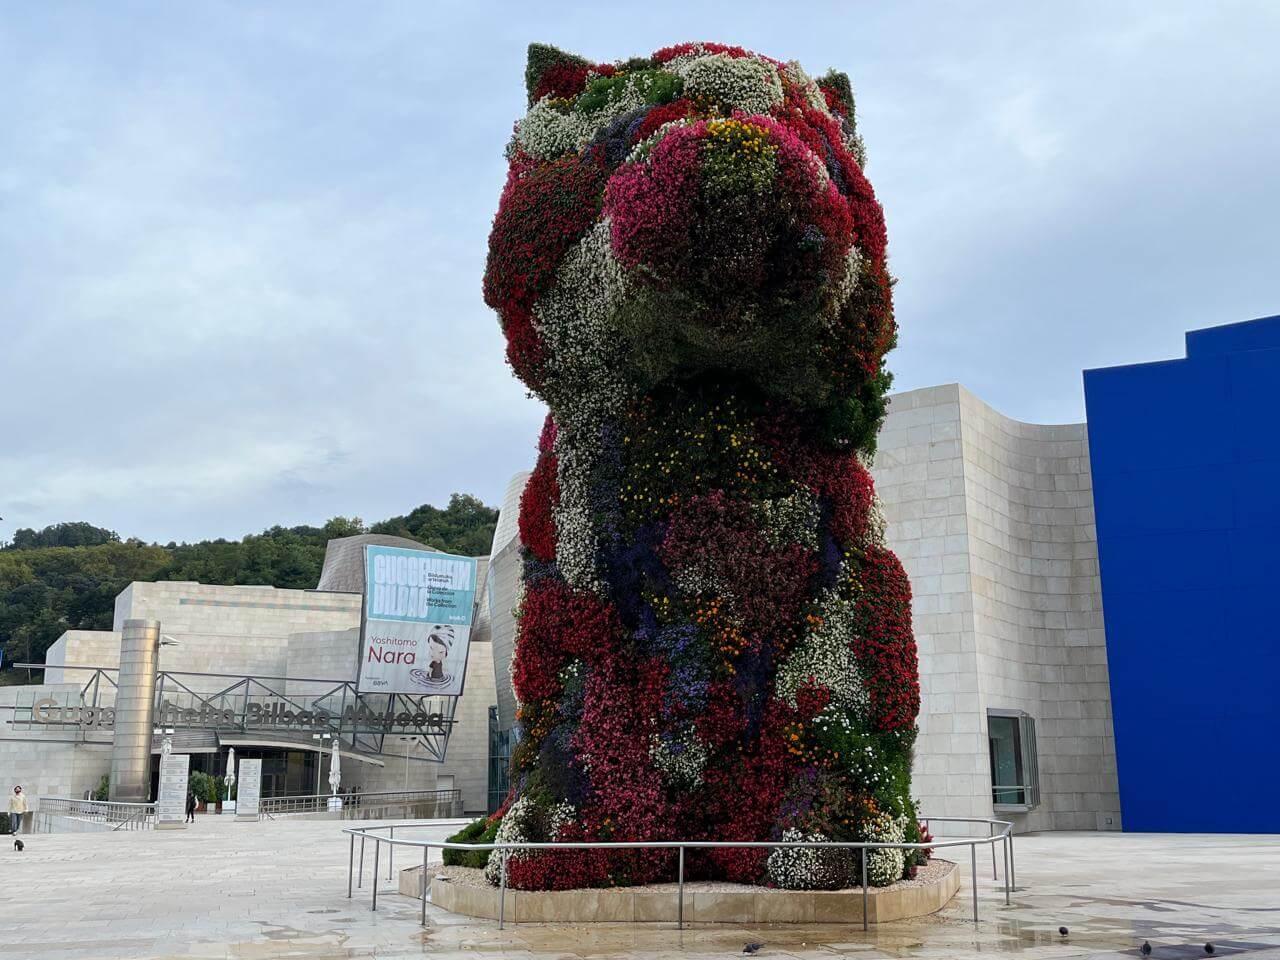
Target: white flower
{"type": "Point", "coordinates": [849, 281]}
{"type": "Point", "coordinates": [744, 83]}
{"type": "Point", "coordinates": [553, 127]}
{"type": "Point", "coordinates": [811, 868]}
{"type": "Point", "coordinates": [825, 658]}
{"type": "Point", "coordinates": [795, 74]}
{"type": "Point", "coordinates": [681, 758]}
{"type": "Point", "coordinates": [583, 373]}
{"type": "Point", "coordinates": [790, 519]}
{"type": "Point", "coordinates": [885, 866]}
{"type": "Point", "coordinates": [576, 536]}
{"type": "Point", "coordinates": [521, 824]}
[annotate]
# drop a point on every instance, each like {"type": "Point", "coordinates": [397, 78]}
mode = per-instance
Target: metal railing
{"type": "Point", "coordinates": [71, 815]}
{"type": "Point", "coordinates": [998, 832]}
{"type": "Point", "coordinates": [424, 803]}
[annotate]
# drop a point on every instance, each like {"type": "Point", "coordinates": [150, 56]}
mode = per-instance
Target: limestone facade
{"type": "Point", "coordinates": [310, 636]}
{"type": "Point", "coordinates": [993, 520]}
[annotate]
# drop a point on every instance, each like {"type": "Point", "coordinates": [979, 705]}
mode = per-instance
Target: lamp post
{"type": "Point", "coordinates": [408, 742]}
{"type": "Point", "coordinates": [320, 756]}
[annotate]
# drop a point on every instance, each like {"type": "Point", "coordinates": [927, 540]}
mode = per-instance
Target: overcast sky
{"type": "Point", "coordinates": [241, 244]}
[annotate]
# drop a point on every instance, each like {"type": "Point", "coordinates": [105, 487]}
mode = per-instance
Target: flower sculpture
{"type": "Point", "coordinates": [713, 641]}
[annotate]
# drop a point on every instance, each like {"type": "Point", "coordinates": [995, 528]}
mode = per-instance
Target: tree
{"type": "Point", "coordinates": [67, 576]}
{"type": "Point", "coordinates": [78, 534]}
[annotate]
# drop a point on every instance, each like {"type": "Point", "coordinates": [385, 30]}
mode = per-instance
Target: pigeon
{"type": "Point", "coordinates": [1063, 931]}
{"type": "Point", "coordinates": [1146, 948]}
{"type": "Point", "coordinates": [19, 845]}
{"type": "Point", "coordinates": [1208, 948]}
{"type": "Point", "coordinates": [752, 947]}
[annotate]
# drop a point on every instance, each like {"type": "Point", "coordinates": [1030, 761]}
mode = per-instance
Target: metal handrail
{"type": "Point", "coordinates": [112, 814]}
{"type": "Point", "coordinates": [1003, 835]}
{"type": "Point", "coordinates": [315, 802]}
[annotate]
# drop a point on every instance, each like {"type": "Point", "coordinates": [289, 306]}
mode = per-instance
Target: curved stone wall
{"type": "Point", "coordinates": [993, 520]}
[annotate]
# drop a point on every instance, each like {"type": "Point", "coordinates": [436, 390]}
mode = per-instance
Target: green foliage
{"type": "Point", "coordinates": [464, 527]}
{"type": "Point", "coordinates": [657, 86]}
{"type": "Point", "coordinates": [46, 589]}
{"type": "Point", "coordinates": [78, 534]}
{"type": "Point", "coordinates": [202, 785]}
{"type": "Point", "coordinates": [103, 790]}
{"type": "Point", "coordinates": [542, 57]}
{"type": "Point", "coordinates": [478, 831]}
{"type": "Point", "coordinates": [838, 83]}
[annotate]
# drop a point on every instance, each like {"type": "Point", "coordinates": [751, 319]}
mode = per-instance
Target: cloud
{"type": "Point", "coordinates": [241, 251]}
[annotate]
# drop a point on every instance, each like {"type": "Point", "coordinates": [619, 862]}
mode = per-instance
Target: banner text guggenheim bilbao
{"type": "Point", "coordinates": [416, 625]}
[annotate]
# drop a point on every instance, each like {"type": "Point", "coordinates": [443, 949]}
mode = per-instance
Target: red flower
{"type": "Point", "coordinates": [537, 510]}
{"type": "Point", "coordinates": [557, 625]}
{"type": "Point", "coordinates": [544, 210]}
{"type": "Point", "coordinates": [885, 648]}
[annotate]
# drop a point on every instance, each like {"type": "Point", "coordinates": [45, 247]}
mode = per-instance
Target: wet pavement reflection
{"type": "Point", "coordinates": [278, 890]}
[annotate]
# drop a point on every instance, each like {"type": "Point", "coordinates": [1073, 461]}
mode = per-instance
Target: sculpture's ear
{"type": "Point", "coordinates": [837, 85]}
{"type": "Point", "coordinates": [551, 70]}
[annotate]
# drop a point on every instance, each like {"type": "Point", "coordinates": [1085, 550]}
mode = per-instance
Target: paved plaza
{"type": "Point", "coordinates": [278, 889]}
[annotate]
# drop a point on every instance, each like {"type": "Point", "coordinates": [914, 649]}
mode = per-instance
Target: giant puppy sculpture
{"type": "Point", "coordinates": [714, 642]}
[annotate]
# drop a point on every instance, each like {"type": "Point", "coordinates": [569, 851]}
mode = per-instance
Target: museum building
{"type": "Point", "coordinates": [1090, 602]}
{"type": "Point", "coordinates": [1090, 605]}
{"type": "Point", "coordinates": [273, 661]}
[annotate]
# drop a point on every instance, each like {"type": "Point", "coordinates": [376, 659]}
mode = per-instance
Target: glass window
{"type": "Point", "coordinates": [1015, 778]}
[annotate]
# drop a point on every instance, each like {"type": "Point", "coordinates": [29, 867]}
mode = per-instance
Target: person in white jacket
{"type": "Point", "coordinates": [17, 807]}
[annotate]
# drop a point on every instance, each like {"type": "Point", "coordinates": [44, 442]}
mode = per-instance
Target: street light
{"type": "Point", "coordinates": [407, 740]}
{"type": "Point", "coordinates": [320, 756]}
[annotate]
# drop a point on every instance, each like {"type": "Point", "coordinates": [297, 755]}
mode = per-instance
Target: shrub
{"type": "Point", "coordinates": [478, 831]}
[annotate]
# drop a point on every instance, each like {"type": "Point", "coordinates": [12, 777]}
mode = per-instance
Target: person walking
{"type": "Point", "coordinates": [191, 806]}
{"type": "Point", "coordinates": [17, 807]}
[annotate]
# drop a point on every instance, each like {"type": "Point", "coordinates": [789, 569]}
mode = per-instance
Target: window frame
{"type": "Point", "coordinates": [1029, 757]}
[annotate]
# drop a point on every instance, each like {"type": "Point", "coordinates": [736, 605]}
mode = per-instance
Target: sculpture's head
{"type": "Point", "coordinates": [699, 212]}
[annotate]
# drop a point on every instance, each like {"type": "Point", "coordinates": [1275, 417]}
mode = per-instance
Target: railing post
{"type": "Point", "coordinates": [377, 848]}
{"type": "Point", "coordinates": [351, 864]}
{"type": "Point", "coordinates": [424, 885]}
{"type": "Point", "coordinates": [1013, 870]}
{"type": "Point", "coordinates": [1006, 869]}
{"type": "Point", "coordinates": [680, 893]}
{"type": "Point", "coordinates": [991, 833]}
{"type": "Point", "coordinates": [973, 859]}
{"type": "Point", "coordinates": [360, 876]}
{"type": "Point", "coordinates": [502, 890]}
{"type": "Point", "coordinates": [391, 857]}
{"type": "Point", "coordinates": [865, 921]}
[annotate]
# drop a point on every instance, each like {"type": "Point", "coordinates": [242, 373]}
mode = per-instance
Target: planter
{"type": "Point", "coordinates": [218, 809]}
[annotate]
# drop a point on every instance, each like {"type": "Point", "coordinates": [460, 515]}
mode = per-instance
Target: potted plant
{"type": "Point", "coordinates": [201, 784]}
{"type": "Point", "coordinates": [219, 790]}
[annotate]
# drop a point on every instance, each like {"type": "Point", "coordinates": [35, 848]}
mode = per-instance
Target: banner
{"type": "Point", "coordinates": [417, 621]}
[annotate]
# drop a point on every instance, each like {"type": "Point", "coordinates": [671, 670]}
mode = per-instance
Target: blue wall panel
{"type": "Point", "coordinates": [1186, 472]}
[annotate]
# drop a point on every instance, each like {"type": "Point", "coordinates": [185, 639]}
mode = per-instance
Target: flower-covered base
{"type": "Point", "coordinates": [466, 891]}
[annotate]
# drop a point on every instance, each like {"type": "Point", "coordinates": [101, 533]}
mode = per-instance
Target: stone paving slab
{"type": "Point", "coordinates": [264, 891]}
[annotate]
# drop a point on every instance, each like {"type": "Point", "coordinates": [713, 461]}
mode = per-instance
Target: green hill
{"type": "Point", "coordinates": [67, 576]}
